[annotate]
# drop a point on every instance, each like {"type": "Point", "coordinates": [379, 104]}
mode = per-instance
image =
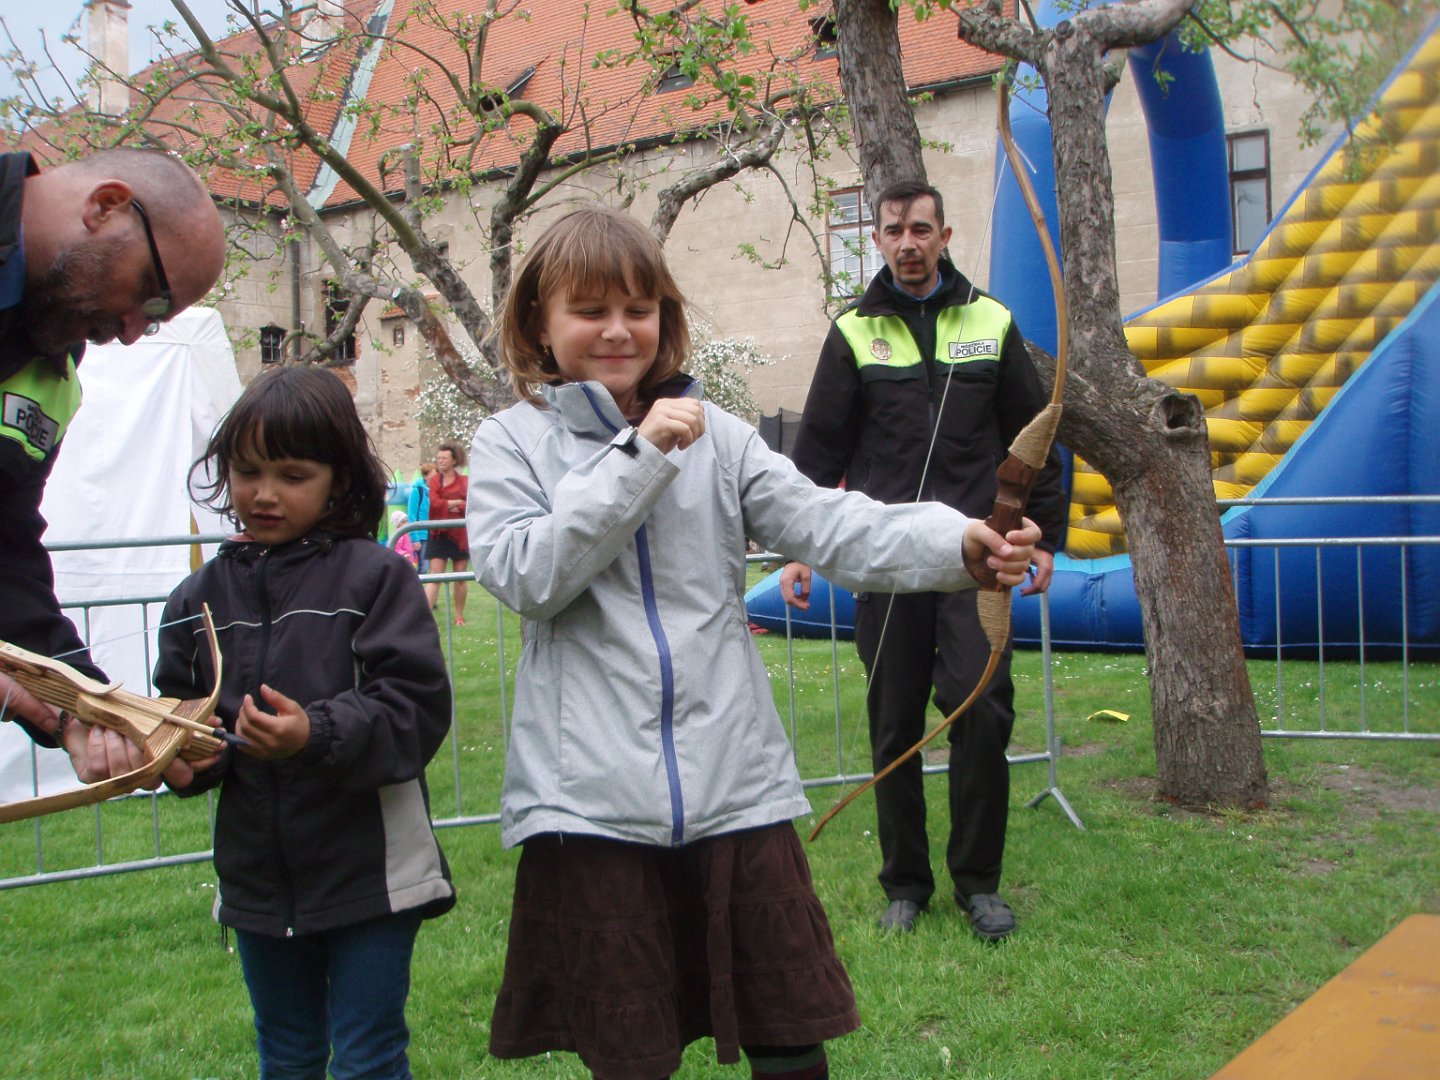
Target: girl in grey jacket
{"type": "Point", "coordinates": [662, 894]}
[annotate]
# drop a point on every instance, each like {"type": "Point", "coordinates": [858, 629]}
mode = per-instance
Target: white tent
{"type": "Point", "coordinates": [149, 409]}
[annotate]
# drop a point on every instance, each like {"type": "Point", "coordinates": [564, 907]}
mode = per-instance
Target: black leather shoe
{"type": "Point", "coordinates": [990, 917]}
{"type": "Point", "coordinates": [900, 917]}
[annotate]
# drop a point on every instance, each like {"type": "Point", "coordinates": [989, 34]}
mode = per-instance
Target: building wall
{"type": "Point", "coordinates": [781, 306]}
{"type": "Point", "coordinates": [254, 289]}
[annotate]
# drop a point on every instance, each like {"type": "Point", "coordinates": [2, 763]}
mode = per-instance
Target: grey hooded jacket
{"type": "Point", "coordinates": [643, 711]}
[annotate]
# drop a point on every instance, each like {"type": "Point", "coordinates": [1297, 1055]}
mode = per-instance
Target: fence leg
{"type": "Point", "coordinates": [1052, 741]}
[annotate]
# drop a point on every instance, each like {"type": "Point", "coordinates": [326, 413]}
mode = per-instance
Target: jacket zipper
{"type": "Point", "coordinates": [667, 689]}
{"type": "Point", "coordinates": [667, 667]}
{"type": "Point", "coordinates": [287, 885]}
{"type": "Point", "coordinates": [929, 362]}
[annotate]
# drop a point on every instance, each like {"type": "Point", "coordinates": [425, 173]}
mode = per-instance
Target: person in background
{"type": "Point", "coordinates": [101, 249]}
{"type": "Point", "coordinates": [334, 677]}
{"type": "Point", "coordinates": [447, 500]}
{"type": "Point", "coordinates": [418, 509]}
{"type": "Point", "coordinates": [925, 360]}
{"type": "Point", "coordinates": [404, 546]}
{"type": "Point", "coordinates": [662, 894]}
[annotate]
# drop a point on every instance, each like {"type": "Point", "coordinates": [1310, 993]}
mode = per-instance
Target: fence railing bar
{"type": "Point", "coordinates": [793, 714]}
{"type": "Point", "coordinates": [835, 684]}
{"type": "Point", "coordinates": [469, 819]}
{"type": "Point", "coordinates": [1332, 541]}
{"type": "Point", "coordinates": [134, 542]}
{"type": "Point", "coordinates": [102, 870]}
{"type": "Point", "coordinates": [1367, 736]}
{"type": "Point", "coordinates": [1331, 500]}
{"type": "Point", "coordinates": [1404, 639]}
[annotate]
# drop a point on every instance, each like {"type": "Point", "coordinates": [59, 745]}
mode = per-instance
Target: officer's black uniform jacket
{"type": "Point", "coordinates": [869, 419]}
{"type": "Point", "coordinates": [31, 430]}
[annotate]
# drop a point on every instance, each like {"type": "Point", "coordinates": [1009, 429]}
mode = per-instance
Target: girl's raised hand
{"type": "Point", "coordinates": [673, 422]}
{"type": "Point", "coordinates": [272, 736]}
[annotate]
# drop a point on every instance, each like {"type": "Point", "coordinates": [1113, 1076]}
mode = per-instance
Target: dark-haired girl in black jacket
{"type": "Point", "coordinates": [333, 675]}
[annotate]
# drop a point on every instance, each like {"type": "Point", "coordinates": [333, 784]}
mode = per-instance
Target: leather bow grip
{"type": "Point", "coordinates": [1015, 481]}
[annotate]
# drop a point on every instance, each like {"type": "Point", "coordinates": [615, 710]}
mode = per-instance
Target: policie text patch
{"type": "Point", "coordinates": [26, 414]}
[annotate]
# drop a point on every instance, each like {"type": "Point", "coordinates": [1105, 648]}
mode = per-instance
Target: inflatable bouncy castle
{"type": "Point", "coordinates": [1316, 358]}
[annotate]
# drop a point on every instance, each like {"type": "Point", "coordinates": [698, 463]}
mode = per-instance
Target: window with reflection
{"type": "Point", "coordinates": [854, 258]}
{"type": "Point", "coordinates": [337, 303]}
{"type": "Point", "coordinates": [272, 344]}
{"type": "Point", "coordinates": [1249, 188]}
{"type": "Point", "coordinates": [673, 77]}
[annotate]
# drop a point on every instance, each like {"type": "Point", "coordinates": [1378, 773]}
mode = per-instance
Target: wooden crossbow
{"type": "Point", "coordinates": [166, 728]}
{"type": "Point", "coordinates": [1016, 477]}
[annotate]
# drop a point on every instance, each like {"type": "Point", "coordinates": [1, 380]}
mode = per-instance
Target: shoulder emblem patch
{"type": "Point", "coordinates": [880, 348]}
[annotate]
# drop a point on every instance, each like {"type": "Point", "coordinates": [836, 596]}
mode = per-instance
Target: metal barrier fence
{"type": "Point", "coordinates": [1400, 634]}
{"type": "Point", "coordinates": [1281, 702]}
{"type": "Point", "coordinates": [1363, 728]}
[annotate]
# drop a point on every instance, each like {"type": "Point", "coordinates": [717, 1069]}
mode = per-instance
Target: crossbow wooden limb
{"type": "Point", "coordinates": [165, 728]}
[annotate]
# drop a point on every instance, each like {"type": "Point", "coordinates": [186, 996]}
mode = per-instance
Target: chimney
{"type": "Point", "coordinates": [108, 35]}
{"type": "Point", "coordinates": [325, 22]}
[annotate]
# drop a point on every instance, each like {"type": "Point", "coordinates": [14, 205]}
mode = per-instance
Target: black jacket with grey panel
{"type": "Point", "coordinates": [339, 833]}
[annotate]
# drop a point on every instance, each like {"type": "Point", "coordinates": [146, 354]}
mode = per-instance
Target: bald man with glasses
{"type": "Point", "coordinates": [101, 249]}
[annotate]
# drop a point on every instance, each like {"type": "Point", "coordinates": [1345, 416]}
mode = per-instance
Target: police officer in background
{"type": "Point", "coordinates": [920, 387]}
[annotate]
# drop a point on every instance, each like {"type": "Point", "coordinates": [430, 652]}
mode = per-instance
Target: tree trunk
{"type": "Point", "coordinates": [1151, 443]}
{"type": "Point", "coordinates": [867, 36]}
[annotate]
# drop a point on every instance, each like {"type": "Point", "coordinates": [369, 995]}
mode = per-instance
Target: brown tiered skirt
{"type": "Point", "coordinates": [625, 953]}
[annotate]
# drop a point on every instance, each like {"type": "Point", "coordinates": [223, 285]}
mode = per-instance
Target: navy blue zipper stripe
{"type": "Point", "coordinates": [594, 404]}
{"type": "Point", "coordinates": [667, 690]}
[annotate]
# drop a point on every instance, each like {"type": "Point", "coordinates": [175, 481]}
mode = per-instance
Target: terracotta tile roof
{"type": "Point", "coordinates": [575, 54]}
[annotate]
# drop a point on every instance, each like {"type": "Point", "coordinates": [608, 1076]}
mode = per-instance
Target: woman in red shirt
{"type": "Point", "coordinates": [447, 501]}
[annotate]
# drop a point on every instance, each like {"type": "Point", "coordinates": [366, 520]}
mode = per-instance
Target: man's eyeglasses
{"type": "Point", "coordinates": [157, 307]}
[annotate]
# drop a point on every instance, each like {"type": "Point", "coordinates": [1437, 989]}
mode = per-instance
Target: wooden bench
{"type": "Point", "coordinates": [1379, 1019]}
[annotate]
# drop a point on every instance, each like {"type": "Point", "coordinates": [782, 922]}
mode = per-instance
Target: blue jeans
{"type": "Point", "coordinates": [343, 988]}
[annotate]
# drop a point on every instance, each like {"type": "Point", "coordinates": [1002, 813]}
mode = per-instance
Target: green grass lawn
{"type": "Point", "coordinates": [1155, 943]}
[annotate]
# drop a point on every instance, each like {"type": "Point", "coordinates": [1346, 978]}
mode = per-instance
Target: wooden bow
{"type": "Point", "coordinates": [1015, 478]}
{"type": "Point", "coordinates": [165, 728]}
